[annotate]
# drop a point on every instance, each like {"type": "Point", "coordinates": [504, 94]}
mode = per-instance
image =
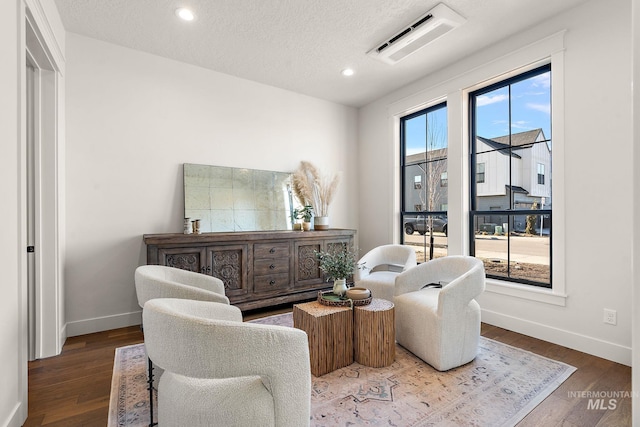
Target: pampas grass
{"type": "Point", "coordinates": [314, 189]}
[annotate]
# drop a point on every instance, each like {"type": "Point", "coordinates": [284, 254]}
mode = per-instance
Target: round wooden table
{"type": "Point", "coordinates": [374, 333]}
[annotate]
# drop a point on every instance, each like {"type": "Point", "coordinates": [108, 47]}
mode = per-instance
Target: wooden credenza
{"type": "Point", "coordinates": [258, 268]}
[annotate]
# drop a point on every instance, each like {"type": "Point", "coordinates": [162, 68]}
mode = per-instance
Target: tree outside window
{"type": "Point", "coordinates": [424, 160]}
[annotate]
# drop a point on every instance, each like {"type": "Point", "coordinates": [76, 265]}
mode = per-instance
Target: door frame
{"type": "Point", "coordinates": [41, 47]}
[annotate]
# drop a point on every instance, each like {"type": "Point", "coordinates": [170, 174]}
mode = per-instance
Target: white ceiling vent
{"type": "Point", "coordinates": [430, 26]}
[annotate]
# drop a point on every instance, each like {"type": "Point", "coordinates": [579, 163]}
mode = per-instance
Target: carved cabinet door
{"type": "Point", "coordinates": [192, 259]}
{"type": "Point", "coordinates": [306, 268]}
{"type": "Point", "coordinates": [229, 263]}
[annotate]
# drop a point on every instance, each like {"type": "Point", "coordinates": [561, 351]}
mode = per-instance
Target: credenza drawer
{"type": "Point", "coordinates": [262, 267]}
{"type": "Point", "coordinates": [271, 250]}
{"type": "Point", "coordinates": [271, 283]}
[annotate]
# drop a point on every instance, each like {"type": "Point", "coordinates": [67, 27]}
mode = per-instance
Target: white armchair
{"type": "Point", "coordinates": [381, 283]}
{"type": "Point", "coordinates": [220, 371]}
{"type": "Point", "coordinates": [159, 281]}
{"type": "Point", "coordinates": [440, 325]}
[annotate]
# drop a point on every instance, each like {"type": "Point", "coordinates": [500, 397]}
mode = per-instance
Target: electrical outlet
{"type": "Point", "coordinates": [610, 316]}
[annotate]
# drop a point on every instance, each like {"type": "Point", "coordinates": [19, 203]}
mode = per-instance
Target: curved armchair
{"type": "Point", "coordinates": [381, 283]}
{"type": "Point", "coordinates": [159, 281]}
{"type": "Point", "coordinates": [220, 371]}
{"type": "Point", "coordinates": [440, 325]}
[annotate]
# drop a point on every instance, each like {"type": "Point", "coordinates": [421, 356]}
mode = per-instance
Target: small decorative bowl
{"type": "Point", "coordinates": [358, 293]}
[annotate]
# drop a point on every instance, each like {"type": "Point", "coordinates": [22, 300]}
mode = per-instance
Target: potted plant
{"type": "Point", "coordinates": [306, 213]}
{"type": "Point", "coordinates": [295, 216]}
{"type": "Point", "coordinates": [338, 265]}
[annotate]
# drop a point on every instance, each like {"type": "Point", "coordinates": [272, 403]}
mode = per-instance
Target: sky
{"type": "Point", "coordinates": [530, 109]}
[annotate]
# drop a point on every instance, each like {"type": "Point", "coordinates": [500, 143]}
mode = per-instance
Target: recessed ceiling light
{"type": "Point", "coordinates": [185, 14]}
{"type": "Point", "coordinates": [347, 72]}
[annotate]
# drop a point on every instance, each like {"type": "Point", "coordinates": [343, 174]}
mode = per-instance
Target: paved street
{"type": "Point", "coordinates": [525, 249]}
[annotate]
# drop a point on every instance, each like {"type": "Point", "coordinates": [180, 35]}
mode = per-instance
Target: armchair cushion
{"type": "Point", "coordinates": [241, 401]}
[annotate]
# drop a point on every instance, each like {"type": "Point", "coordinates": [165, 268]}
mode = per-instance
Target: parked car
{"type": "Point", "coordinates": [421, 225]}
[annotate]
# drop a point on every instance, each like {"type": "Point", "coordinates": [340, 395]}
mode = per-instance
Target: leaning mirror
{"type": "Point", "coordinates": [236, 199]}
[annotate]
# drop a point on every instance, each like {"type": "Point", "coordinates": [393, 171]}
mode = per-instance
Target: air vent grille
{"type": "Point", "coordinates": [427, 28]}
{"type": "Point", "coordinates": [421, 21]}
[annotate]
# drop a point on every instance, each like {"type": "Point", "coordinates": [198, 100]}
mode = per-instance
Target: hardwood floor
{"type": "Point", "coordinates": [73, 389]}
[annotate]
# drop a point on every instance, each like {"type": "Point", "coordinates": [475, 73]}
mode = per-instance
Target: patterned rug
{"type": "Point", "coordinates": [499, 388]}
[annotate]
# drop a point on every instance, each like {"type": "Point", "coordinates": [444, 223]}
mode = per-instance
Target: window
{"type": "Point", "coordinates": [540, 174]}
{"type": "Point", "coordinates": [417, 182]}
{"type": "Point", "coordinates": [511, 214]}
{"type": "Point", "coordinates": [480, 173]}
{"type": "Point", "coordinates": [423, 161]}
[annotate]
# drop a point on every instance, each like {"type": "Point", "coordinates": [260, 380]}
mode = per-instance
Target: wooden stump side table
{"type": "Point", "coordinates": [330, 332]}
{"type": "Point", "coordinates": [374, 333]}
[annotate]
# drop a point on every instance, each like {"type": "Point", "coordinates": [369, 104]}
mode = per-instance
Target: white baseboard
{"type": "Point", "coordinates": [63, 337]}
{"type": "Point", "coordinates": [99, 324]}
{"type": "Point", "coordinates": [596, 347]}
{"type": "Point", "coordinates": [17, 417]}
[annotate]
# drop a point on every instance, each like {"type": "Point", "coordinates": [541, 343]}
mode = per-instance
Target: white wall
{"type": "Point", "coordinates": [635, 19]}
{"type": "Point", "coordinates": [133, 119]}
{"type": "Point", "coordinates": [13, 360]}
{"type": "Point", "coordinates": [596, 136]}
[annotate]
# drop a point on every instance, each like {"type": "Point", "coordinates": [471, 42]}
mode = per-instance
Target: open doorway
{"type": "Point", "coordinates": [41, 194]}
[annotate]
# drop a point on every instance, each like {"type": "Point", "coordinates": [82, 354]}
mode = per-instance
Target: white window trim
{"type": "Point", "coordinates": [549, 49]}
{"type": "Point", "coordinates": [528, 292]}
{"type": "Point", "coordinates": [557, 294]}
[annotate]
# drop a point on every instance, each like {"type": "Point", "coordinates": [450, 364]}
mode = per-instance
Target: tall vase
{"type": "Point", "coordinates": [340, 287]}
{"type": "Point", "coordinates": [321, 223]}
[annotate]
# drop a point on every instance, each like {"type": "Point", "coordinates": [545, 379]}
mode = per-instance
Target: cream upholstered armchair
{"type": "Point", "coordinates": [381, 283]}
{"type": "Point", "coordinates": [220, 371]}
{"type": "Point", "coordinates": [159, 281]}
{"type": "Point", "coordinates": [440, 325]}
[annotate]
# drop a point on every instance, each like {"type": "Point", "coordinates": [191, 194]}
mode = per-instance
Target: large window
{"type": "Point", "coordinates": [511, 170]}
{"type": "Point", "coordinates": [424, 181]}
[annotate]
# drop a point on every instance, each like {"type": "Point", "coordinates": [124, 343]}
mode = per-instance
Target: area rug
{"type": "Point", "coordinates": [499, 388]}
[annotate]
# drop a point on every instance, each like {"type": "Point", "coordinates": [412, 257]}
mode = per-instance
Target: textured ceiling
{"type": "Point", "coordinates": [302, 45]}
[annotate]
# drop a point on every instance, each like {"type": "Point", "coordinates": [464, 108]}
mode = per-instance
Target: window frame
{"type": "Point", "coordinates": [424, 213]}
{"type": "Point", "coordinates": [473, 212]}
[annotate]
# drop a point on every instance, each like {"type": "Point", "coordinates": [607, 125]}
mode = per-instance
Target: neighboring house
{"type": "Point", "coordinates": [529, 162]}
{"type": "Point", "coordinates": [426, 181]}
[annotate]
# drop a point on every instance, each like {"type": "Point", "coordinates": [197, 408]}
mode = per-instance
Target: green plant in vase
{"type": "Point", "coordinates": [295, 216]}
{"type": "Point", "coordinates": [306, 213]}
{"type": "Point", "coordinates": [338, 265]}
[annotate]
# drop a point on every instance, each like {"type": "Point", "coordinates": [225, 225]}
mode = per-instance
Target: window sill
{"type": "Point", "coordinates": [527, 292]}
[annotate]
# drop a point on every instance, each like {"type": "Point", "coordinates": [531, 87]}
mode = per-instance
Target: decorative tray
{"type": "Point", "coordinates": [329, 298]}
